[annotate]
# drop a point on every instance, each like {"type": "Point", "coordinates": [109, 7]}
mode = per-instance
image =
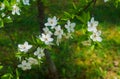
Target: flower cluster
{"type": "Point", "coordinates": [92, 27]}
{"type": "Point", "coordinates": [54, 32]}
{"type": "Point", "coordinates": [14, 7]}
{"type": "Point", "coordinates": [8, 7]}
{"type": "Point", "coordinates": [26, 62]}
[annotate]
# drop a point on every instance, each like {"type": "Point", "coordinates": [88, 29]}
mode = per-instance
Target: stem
{"type": "Point", "coordinates": [94, 6]}
{"type": "Point", "coordinates": [51, 66]}
{"type": "Point", "coordinates": [86, 7]}
{"type": "Point", "coordinates": [40, 14]}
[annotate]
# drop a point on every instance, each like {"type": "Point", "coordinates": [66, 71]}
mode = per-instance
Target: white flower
{"type": "Point", "coordinates": [15, 10]}
{"type": "Point", "coordinates": [70, 26]}
{"type": "Point", "coordinates": [3, 14]}
{"type": "Point", "coordinates": [39, 53]}
{"type": "Point", "coordinates": [25, 65]}
{"type": "Point", "coordinates": [32, 61]}
{"type": "Point", "coordinates": [26, 2]}
{"type": "Point", "coordinates": [24, 47]}
{"type": "Point", "coordinates": [18, 1]}
{"type": "Point", "coordinates": [52, 22]}
{"type": "Point", "coordinates": [46, 38]}
{"type": "Point", "coordinates": [58, 32]}
{"type": "Point", "coordinates": [58, 41]}
{"type": "Point", "coordinates": [9, 17]}
{"type": "Point", "coordinates": [2, 6]}
{"type": "Point", "coordinates": [47, 31]}
{"type": "Point", "coordinates": [96, 36]}
{"type": "Point", "coordinates": [92, 25]}
{"type": "Point", "coordinates": [106, 0]}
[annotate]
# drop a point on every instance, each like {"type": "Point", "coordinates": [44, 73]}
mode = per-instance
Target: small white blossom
{"type": "Point", "coordinates": [106, 0]}
{"type": "Point", "coordinates": [39, 53]}
{"type": "Point", "coordinates": [47, 31]}
{"type": "Point", "coordinates": [96, 36]}
{"type": "Point", "coordinates": [58, 32]}
{"type": "Point", "coordinates": [2, 6]}
{"type": "Point", "coordinates": [52, 22]}
{"type": "Point", "coordinates": [26, 2]}
{"type": "Point", "coordinates": [9, 17]}
{"type": "Point", "coordinates": [24, 47]}
{"type": "Point", "coordinates": [58, 41]}
{"type": "Point", "coordinates": [70, 26]}
{"type": "Point", "coordinates": [92, 25]}
{"type": "Point", "coordinates": [32, 61]}
{"type": "Point", "coordinates": [15, 10]}
{"type": "Point", "coordinates": [25, 65]}
{"type": "Point", "coordinates": [18, 1]}
{"type": "Point", "coordinates": [3, 14]}
{"type": "Point", "coordinates": [46, 38]}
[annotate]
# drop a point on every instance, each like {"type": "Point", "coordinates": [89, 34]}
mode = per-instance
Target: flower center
{"type": "Point", "coordinates": [51, 22]}
{"type": "Point", "coordinates": [24, 47]}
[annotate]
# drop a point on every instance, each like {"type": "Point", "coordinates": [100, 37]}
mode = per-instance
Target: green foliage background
{"type": "Point", "coordinates": [72, 59]}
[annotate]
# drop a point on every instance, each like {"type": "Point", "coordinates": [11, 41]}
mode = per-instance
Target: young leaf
{"type": "Point", "coordinates": [1, 23]}
{"type": "Point", "coordinates": [6, 3]}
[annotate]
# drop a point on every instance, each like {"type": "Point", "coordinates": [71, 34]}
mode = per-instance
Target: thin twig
{"type": "Point", "coordinates": [86, 7]}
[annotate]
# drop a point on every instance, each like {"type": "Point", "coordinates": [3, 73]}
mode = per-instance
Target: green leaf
{"type": "Point", "coordinates": [7, 20]}
{"type": "Point", "coordinates": [84, 18]}
{"type": "Point", "coordinates": [67, 14]}
{"type": "Point", "coordinates": [99, 44]}
{"type": "Point", "coordinates": [74, 6]}
{"type": "Point", "coordinates": [17, 74]}
{"type": "Point", "coordinates": [1, 67]}
{"type": "Point", "coordinates": [1, 23]}
{"type": "Point", "coordinates": [80, 18]}
{"type": "Point", "coordinates": [6, 3]}
{"type": "Point", "coordinates": [13, 2]}
{"type": "Point", "coordinates": [34, 39]}
{"type": "Point", "coordinates": [73, 16]}
{"type": "Point", "coordinates": [92, 47]}
{"type": "Point", "coordinates": [7, 76]}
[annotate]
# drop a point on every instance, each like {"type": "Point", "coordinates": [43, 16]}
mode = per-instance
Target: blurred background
{"type": "Point", "coordinates": [78, 61]}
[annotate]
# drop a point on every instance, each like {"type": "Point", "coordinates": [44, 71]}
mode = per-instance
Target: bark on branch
{"type": "Point", "coordinates": [51, 66]}
{"type": "Point", "coordinates": [52, 71]}
{"type": "Point", "coordinates": [87, 6]}
{"type": "Point", "coordinates": [41, 15]}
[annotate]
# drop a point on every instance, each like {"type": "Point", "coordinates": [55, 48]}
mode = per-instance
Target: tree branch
{"type": "Point", "coordinates": [51, 66]}
{"type": "Point", "coordinates": [87, 6]}
{"type": "Point", "coordinates": [41, 15]}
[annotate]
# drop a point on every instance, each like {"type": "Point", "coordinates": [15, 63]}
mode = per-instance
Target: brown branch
{"type": "Point", "coordinates": [51, 66]}
{"type": "Point", "coordinates": [52, 73]}
{"type": "Point", "coordinates": [41, 15]}
{"type": "Point", "coordinates": [87, 6]}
